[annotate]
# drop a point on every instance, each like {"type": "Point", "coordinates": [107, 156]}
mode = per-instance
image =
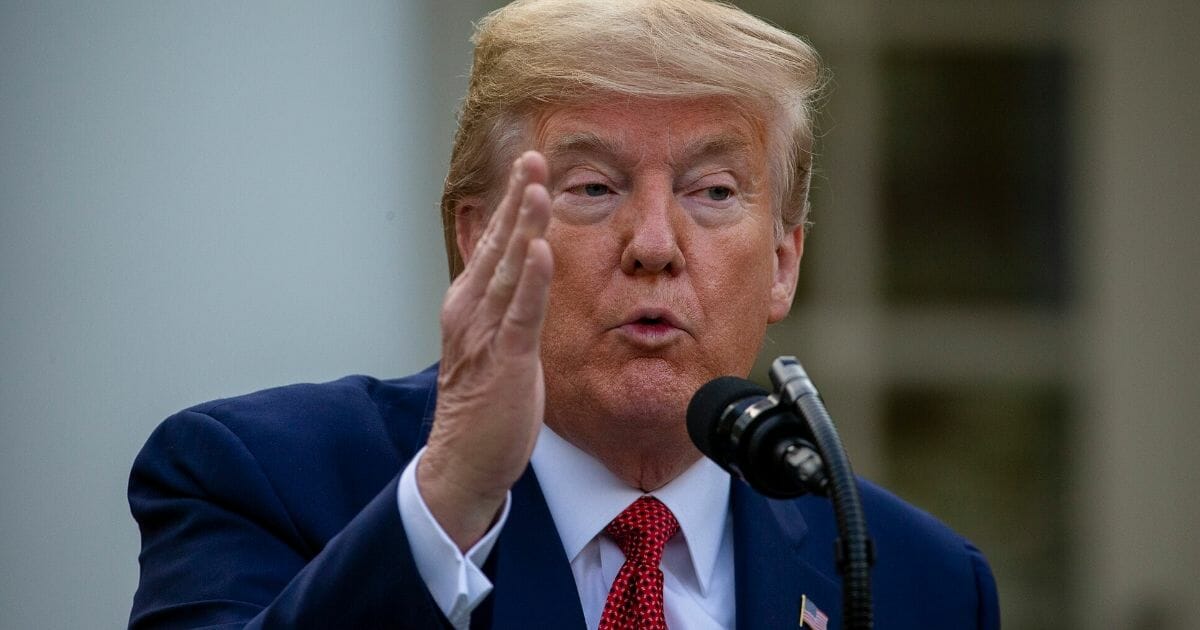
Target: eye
{"type": "Point", "coordinates": [595, 190]}
{"type": "Point", "coordinates": [719, 193]}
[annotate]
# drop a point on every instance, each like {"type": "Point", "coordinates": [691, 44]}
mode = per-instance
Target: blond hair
{"type": "Point", "coordinates": [533, 54]}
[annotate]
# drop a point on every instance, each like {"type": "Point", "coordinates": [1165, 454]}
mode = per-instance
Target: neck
{"type": "Point", "coordinates": [645, 462]}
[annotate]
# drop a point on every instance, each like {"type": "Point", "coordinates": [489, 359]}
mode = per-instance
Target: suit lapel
{"type": "Point", "coordinates": [769, 563]}
{"type": "Point", "coordinates": [534, 586]}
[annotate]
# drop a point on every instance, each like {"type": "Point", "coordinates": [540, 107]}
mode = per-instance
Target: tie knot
{"type": "Point", "coordinates": [642, 530]}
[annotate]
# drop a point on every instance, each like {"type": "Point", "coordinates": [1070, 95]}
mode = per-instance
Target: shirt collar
{"type": "Point", "coordinates": [584, 496]}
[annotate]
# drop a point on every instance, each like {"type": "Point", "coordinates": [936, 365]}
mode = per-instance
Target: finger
{"type": "Point", "coordinates": [527, 169]}
{"type": "Point", "coordinates": [521, 329]}
{"type": "Point", "coordinates": [532, 221]}
{"type": "Point", "coordinates": [492, 243]}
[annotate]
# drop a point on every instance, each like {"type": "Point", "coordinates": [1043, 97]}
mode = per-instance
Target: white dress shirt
{"type": "Point", "coordinates": [583, 497]}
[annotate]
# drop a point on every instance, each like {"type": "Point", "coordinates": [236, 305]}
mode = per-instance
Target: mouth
{"type": "Point", "coordinates": [651, 325]}
{"type": "Point", "coordinates": [651, 328]}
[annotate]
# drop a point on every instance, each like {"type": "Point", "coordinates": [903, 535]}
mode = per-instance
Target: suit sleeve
{"type": "Point", "coordinates": [219, 549]}
{"type": "Point", "coordinates": [985, 588]}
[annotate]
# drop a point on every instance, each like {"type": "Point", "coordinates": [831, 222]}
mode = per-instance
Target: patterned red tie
{"type": "Point", "coordinates": [635, 601]}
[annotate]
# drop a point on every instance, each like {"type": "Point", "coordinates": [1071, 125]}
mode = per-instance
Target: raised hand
{"type": "Point", "coordinates": [491, 393]}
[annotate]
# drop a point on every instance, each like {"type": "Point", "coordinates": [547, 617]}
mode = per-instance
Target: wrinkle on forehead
{"type": "Point", "coordinates": [590, 143]}
{"type": "Point", "coordinates": [613, 143]}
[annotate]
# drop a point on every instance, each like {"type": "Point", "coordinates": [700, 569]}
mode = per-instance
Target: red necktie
{"type": "Point", "coordinates": [635, 601]}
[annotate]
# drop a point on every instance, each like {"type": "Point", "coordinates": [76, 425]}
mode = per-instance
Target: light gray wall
{"type": "Point", "coordinates": [196, 200]}
{"type": "Point", "coordinates": [1138, 505]}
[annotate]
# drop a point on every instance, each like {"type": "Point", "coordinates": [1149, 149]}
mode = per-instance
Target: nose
{"type": "Point", "coordinates": [651, 234]}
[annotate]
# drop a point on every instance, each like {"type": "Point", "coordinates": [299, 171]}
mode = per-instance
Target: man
{"type": "Point", "coordinates": [625, 214]}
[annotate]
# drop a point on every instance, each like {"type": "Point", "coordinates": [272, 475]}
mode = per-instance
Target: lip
{"type": "Point", "coordinates": [651, 328]}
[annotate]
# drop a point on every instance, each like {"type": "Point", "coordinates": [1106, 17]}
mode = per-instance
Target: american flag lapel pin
{"type": "Point", "coordinates": [811, 617]}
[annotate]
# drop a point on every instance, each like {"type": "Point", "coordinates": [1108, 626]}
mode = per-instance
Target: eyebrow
{"type": "Point", "coordinates": [733, 145]}
{"type": "Point", "coordinates": [584, 142]}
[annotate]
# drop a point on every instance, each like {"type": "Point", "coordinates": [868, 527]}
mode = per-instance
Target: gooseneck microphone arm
{"type": "Point", "coordinates": [854, 550]}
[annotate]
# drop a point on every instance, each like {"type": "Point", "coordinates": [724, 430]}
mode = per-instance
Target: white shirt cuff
{"type": "Point", "coordinates": [455, 580]}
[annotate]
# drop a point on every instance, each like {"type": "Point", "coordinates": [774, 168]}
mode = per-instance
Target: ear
{"type": "Point", "coordinates": [788, 252]}
{"type": "Point", "coordinates": [470, 219]}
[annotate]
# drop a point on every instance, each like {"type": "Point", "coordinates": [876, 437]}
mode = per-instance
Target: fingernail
{"type": "Point", "coordinates": [521, 167]}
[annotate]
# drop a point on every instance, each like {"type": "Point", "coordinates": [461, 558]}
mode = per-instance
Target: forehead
{"type": "Point", "coordinates": [674, 130]}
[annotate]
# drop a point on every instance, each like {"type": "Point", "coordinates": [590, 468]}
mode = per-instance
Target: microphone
{"type": "Point", "coordinates": [767, 440]}
{"type": "Point", "coordinates": [746, 431]}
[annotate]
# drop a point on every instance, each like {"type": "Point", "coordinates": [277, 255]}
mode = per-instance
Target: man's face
{"type": "Point", "coordinates": [666, 266]}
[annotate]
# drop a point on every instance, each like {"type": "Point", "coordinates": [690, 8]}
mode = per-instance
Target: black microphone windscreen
{"type": "Point", "coordinates": [710, 401]}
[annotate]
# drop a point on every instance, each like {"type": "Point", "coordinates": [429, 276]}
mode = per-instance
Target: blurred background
{"type": "Point", "coordinates": [999, 296]}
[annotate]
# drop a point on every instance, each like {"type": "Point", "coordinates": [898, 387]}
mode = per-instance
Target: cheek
{"type": "Point", "coordinates": [738, 308]}
{"type": "Point", "coordinates": [582, 254]}
{"type": "Point", "coordinates": [580, 268]}
{"type": "Point", "coordinates": [738, 272]}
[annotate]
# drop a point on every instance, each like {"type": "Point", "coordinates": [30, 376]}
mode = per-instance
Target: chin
{"type": "Point", "coordinates": [640, 399]}
{"type": "Point", "coordinates": [617, 414]}
{"type": "Point", "coordinates": [654, 392]}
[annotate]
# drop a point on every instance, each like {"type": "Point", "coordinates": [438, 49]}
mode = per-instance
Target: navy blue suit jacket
{"type": "Point", "coordinates": [278, 509]}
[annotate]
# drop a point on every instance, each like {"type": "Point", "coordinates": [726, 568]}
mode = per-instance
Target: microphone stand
{"type": "Point", "coordinates": [853, 550]}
